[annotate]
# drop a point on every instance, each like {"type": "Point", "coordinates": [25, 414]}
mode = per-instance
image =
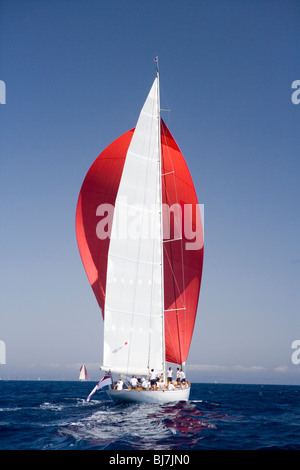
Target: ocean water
{"type": "Point", "coordinates": [49, 415]}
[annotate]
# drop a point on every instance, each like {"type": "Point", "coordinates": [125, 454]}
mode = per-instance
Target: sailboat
{"type": "Point", "coordinates": [140, 237]}
{"type": "Point", "coordinates": [83, 373]}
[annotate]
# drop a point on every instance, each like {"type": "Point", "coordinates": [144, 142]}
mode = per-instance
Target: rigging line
{"type": "Point", "coordinates": [164, 99]}
{"type": "Point", "coordinates": [172, 339]}
{"type": "Point", "coordinates": [173, 240]}
{"type": "Point", "coordinates": [172, 266]}
{"type": "Point", "coordinates": [174, 278]}
{"type": "Point", "coordinates": [177, 226]}
{"type": "Point", "coordinates": [182, 248]}
{"type": "Point", "coordinates": [181, 243]}
{"type": "Point", "coordinates": [167, 325]}
{"type": "Point", "coordinates": [181, 228]}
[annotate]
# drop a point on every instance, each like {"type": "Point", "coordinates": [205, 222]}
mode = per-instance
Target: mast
{"type": "Point", "coordinates": [161, 226]}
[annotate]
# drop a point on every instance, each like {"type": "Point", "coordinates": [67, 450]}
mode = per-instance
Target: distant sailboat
{"type": "Point", "coordinates": [83, 373]}
{"type": "Point", "coordinates": [144, 257]}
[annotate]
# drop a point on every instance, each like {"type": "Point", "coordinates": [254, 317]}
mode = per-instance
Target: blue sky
{"type": "Point", "coordinates": [76, 75]}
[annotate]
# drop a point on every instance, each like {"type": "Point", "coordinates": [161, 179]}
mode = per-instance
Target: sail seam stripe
{"type": "Point", "coordinates": [133, 260]}
{"type": "Point", "coordinates": [137, 155]}
{"type": "Point", "coordinates": [129, 312]}
{"type": "Point", "coordinates": [137, 207]}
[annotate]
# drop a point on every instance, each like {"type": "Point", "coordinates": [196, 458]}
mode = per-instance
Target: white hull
{"type": "Point", "coordinates": [150, 396]}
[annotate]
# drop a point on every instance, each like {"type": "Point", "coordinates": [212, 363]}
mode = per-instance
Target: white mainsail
{"type": "Point", "coordinates": [133, 315]}
{"type": "Point", "coordinates": [83, 373]}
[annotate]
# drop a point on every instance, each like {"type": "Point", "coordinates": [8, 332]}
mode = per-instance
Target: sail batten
{"type": "Point", "coordinates": [129, 312]}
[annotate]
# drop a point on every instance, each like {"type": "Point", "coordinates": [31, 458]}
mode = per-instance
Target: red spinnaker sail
{"type": "Point", "coordinates": [182, 267]}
